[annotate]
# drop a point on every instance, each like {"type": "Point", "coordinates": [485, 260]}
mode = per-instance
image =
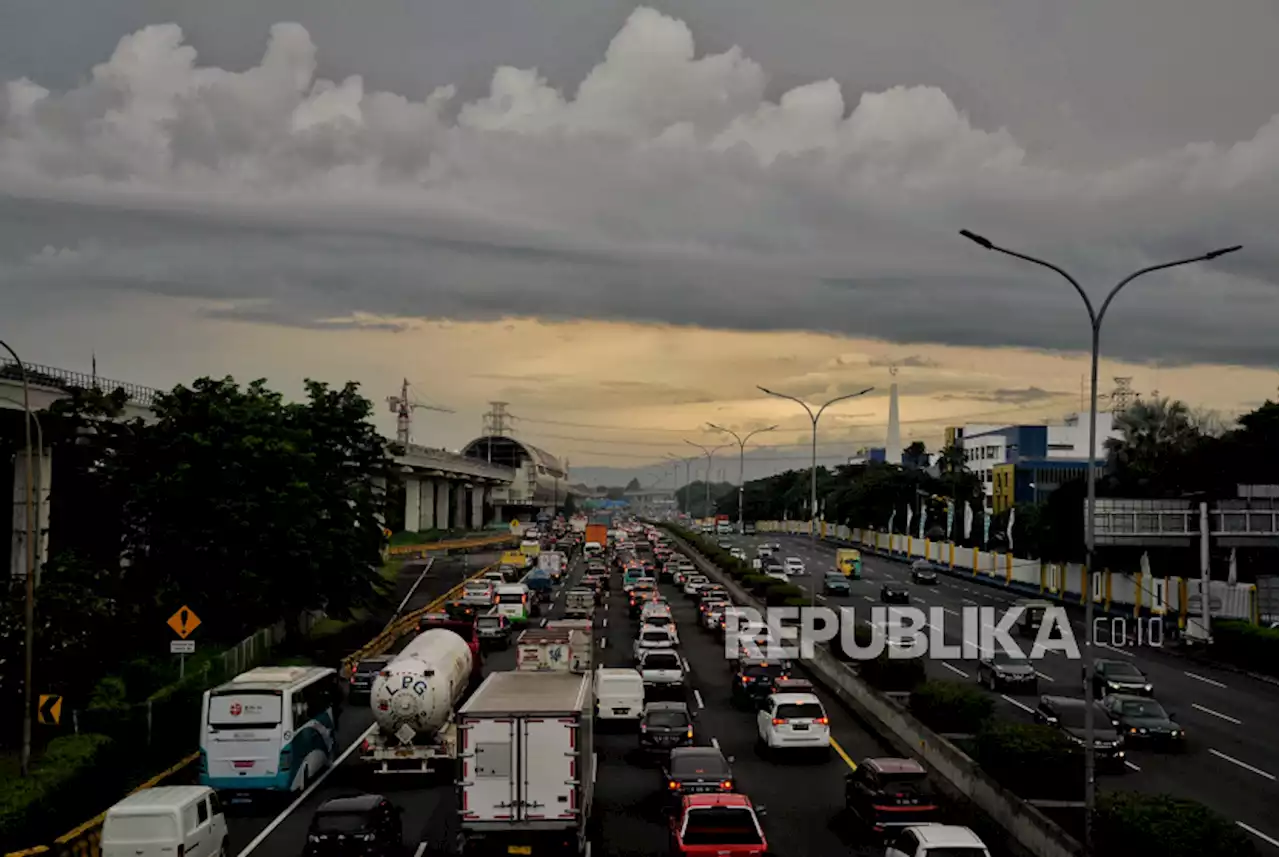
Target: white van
{"type": "Point", "coordinates": [619, 694]}
{"type": "Point", "coordinates": [167, 821]}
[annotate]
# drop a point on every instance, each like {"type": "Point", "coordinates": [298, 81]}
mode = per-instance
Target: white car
{"type": "Point", "coordinates": [478, 592]}
{"type": "Point", "coordinates": [712, 615]}
{"type": "Point", "coordinates": [793, 565]}
{"type": "Point", "coordinates": [661, 668]}
{"type": "Point", "coordinates": [692, 582]}
{"type": "Point", "coordinates": [659, 620]}
{"type": "Point", "coordinates": [778, 575]}
{"type": "Point", "coordinates": [738, 554]}
{"type": "Point", "coordinates": [763, 551]}
{"type": "Point", "coordinates": [935, 839]}
{"type": "Point", "coordinates": [793, 721]}
{"type": "Point", "coordinates": [653, 637]}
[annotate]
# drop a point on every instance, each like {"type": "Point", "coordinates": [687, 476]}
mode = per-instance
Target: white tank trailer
{"type": "Point", "coordinates": [413, 701]}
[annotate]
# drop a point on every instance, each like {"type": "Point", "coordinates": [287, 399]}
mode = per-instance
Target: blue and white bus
{"type": "Point", "coordinates": [272, 729]}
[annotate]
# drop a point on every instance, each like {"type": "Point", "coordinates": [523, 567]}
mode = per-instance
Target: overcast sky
{"type": "Point", "coordinates": [308, 187]}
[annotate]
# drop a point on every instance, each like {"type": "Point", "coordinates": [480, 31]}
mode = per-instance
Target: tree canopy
{"type": "Point", "coordinates": [233, 502]}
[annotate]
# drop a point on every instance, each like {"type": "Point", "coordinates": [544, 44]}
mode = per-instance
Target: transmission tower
{"type": "Point", "coordinates": [403, 407]}
{"type": "Point", "coordinates": [497, 420]}
{"type": "Point", "coordinates": [1123, 396]}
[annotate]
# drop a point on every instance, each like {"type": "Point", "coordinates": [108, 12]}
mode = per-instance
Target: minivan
{"type": "Point", "coordinates": [166, 821]}
{"type": "Point", "coordinates": [619, 694]}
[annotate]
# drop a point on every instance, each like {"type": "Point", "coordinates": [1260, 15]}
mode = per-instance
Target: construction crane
{"type": "Point", "coordinates": [403, 407]}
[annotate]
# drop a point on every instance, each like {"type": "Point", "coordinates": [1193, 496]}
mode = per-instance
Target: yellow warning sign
{"type": "Point", "coordinates": [516, 527]}
{"type": "Point", "coordinates": [50, 710]}
{"type": "Point", "coordinates": [184, 622]}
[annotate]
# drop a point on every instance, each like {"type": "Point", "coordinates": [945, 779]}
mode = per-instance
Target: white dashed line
{"type": "Point", "coordinates": [605, 623]}
{"type": "Point", "coordinates": [1245, 765]}
{"type": "Point", "coordinates": [697, 697]}
{"type": "Point", "coordinates": [949, 611]}
{"type": "Point", "coordinates": [1218, 714]}
{"type": "Point", "coordinates": [868, 598]}
{"type": "Point", "coordinates": [422, 846]}
{"type": "Point", "coordinates": [1258, 833]}
{"type": "Point", "coordinates": [958, 672]}
{"type": "Point", "coordinates": [603, 640]}
{"type": "Point", "coordinates": [1015, 703]}
{"type": "Point", "coordinates": [685, 663]}
{"type": "Point", "coordinates": [715, 743]}
{"type": "Point", "coordinates": [968, 601]}
{"type": "Point", "coordinates": [1131, 766]}
{"type": "Point", "coordinates": [1205, 680]}
{"type": "Point", "coordinates": [1114, 649]}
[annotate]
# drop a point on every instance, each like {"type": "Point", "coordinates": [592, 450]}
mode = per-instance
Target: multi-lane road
{"type": "Point", "coordinates": [1231, 759]}
{"type": "Point", "coordinates": [803, 799]}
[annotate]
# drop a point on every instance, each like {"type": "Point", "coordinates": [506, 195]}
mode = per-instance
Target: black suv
{"type": "Point", "coordinates": [360, 825]}
{"type": "Point", "coordinates": [889, 793]}
{"type": "Point", "coordinates": [697, 770]}
{"type": "Point", "coordinates": [755, 680]}
{"type": "Point", "coordinates": [895, 593]}
{"type": "Point", "coordinates": [362, 677]}
{"type": "Point", "coordinates": [665, 726]}
{"type": "Point", "coordinates": [922, 571]}
{"type": "Point", "coordinates": [1067, 716]}
{"type": "Point", "coordinates": [1001, 670]}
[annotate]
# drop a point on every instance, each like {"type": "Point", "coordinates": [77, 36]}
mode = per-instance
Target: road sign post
{"type": "Point", "coordinates": [183, 623]}
{"type": "Point", "coordinates": [50, 711]}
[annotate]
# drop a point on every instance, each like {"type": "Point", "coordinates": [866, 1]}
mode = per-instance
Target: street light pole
{"type": "Point", "coordinates": [742, 462]}
{"type": "Point", "coordinates": [709, 452]}
{"type": "Point", "coordinates": [813, 466]}
{"type": "Point", "coordinates": [29, 611]}
{"type": "Point", "coordinates": [1095, 325]}
{"type": "Point", "coordinates": [677, 460]}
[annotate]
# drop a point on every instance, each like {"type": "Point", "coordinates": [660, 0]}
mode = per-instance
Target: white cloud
{"type": "Point", "coordinates": [801, 213]}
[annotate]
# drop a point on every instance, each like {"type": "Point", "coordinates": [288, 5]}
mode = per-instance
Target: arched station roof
{"type": "Point", "coordinates": [511, 452]}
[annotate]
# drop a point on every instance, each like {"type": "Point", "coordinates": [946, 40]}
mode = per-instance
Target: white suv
{"type": "Point", "coordinates": [653, 637]}
{"type": "Point", "coordinates": [936, 839]}
{"type": "Point", "coordinates": [793, 721]}
{"type": "Point", "coordinates": [794, 565]}
{"type": "Point", "coordinates": [661, 668]}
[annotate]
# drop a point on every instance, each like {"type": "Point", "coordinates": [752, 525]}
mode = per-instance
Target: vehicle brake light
{"type": "Point", "coordinates": [673, 785]}
{"type": "Point", "coordinates": [727, 785]}
{"type": "Point", "coordinates": [821, 721]}
{"type": "Point", "coordinates": [779, 721]}
{"type": "Point", "coordinates": [644, 727]}
{"type": "Point", "coordinates": [689, 732]}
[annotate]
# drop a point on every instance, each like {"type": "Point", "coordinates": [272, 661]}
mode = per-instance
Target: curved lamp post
{"type": "Point", "coordinates": [742, 464]}
{"type": "Point", "coordinates": [708, 452]}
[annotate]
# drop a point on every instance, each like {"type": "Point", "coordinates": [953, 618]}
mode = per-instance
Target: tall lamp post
{"type": "Point", "coordinates": [1095, 323]}
{"type": "Point", "coordinates": [29, 613]}
{"type": "Point", "coordinates": [677, 460]}
{"type": "Point", "coordinates": [742, 462]}
{"type": "Point", "coordinates": [708, 452]}
{"type": "Point", "coordinates": [813, 466]}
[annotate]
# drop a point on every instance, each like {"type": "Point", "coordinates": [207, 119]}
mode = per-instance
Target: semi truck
{"type": "Point", "coordinates": [528, 767]}
{"type": "Point", "coordinates": [413, 700]}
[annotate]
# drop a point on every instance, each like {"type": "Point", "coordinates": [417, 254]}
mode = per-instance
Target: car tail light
{"type": "Point", "coordinates": [689, 732]}
{"type": "Point", "coordinates": [673, 785]}
{"type": "Point", "coordinates": [644, 727]}
{"type": "Point", "coordinates": [821, 721]}
{"type": "Point", "coordinates": [727, 785]}
{"type": "Point", "coordinates": [779, 721]}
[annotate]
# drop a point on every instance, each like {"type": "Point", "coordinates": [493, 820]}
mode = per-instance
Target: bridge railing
{"type": "Point", "coordinates": [63, 379]}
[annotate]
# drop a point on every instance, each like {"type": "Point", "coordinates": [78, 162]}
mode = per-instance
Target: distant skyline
{"type": "Point", "coordinates": [620, 219]}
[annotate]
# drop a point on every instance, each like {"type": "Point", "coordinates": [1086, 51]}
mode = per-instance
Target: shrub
{"type": "Point", "coordinates": [892, 674]}
{"type": "Point", "coordinates": [778, 592]}
{"type": "Point", "coordinates": [1246, 645]}
{"type": "Point", "coordinates": [1127, 823]}
{"type": "Point", "coordinates": [861, 636]}
{"type": "Point", "coordinates": [757, 583]}
{"type": "Point", "coordinates": [69, 777]}
{"type": "Point", "coordinates": [951, 706]}
{"type": "Point", "coordinates": [1031, 760]}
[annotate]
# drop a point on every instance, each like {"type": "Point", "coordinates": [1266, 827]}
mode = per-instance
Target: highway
{"type": "Point", "coordinates": [1230, 763]}
{"type": "Point", "coordinates": [804, 799]}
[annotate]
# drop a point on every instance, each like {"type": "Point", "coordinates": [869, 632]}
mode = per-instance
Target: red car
{"type": "Point", "coordinates": [724, 825]}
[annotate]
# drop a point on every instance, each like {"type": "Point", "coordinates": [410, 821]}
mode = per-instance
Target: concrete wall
{"type": "Point", "coordinates": [1119, 592]}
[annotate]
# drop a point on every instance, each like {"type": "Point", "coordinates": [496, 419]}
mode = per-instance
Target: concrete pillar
{"type": "Point", "coordinates": [41, 478]}
{"type": "Point", "coordinates": [412, 500]}
{"type": "Point", "coordinates": [477, 508]}
{"type": "Point", "coordinates": [426, 505]}
{"type": "Point", "coordinates": [460, 506]}
{"type": "Point", "coordinates": [442, 504]}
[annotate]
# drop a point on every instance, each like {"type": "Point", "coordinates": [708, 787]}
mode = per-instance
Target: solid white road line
{"type": "Point", "coordinates": [1131, 766]}
{"type": "Point", "coordinates": [968, 601]}
{"type": "Point", "coordinates": [715, 743]}
{"type": "Point", "coordinates": [422, 846]}
{"type": "Point", "coordinates": [1015, 703]}
{"type": "Point", "coordinates": [324, 775]}
{"type": "Point", "coordinates": [1045, 677]}
{"type": "Point", "coordinates": [412, 589]}
{"type": "Point", "coordinates": [958, 672]}
{"type": "Point", "coordinates": [1203, 679]}
{"type": "Point", "coordinates": [868, 598]}
{"type": "Point", "coordinates": [1114, 649]}
{"type": "Point", "coordinates": [697, 697]}
{"type": "Point", "coordinates": [1217, 714]}
{"type": "Point", "coordinates": [1244, 765]}
{"type": "Point", "coordinates": [1258, 833]}
{"type": "Point", "coordinates": [948, 610]}
{"type": "Point", "coordinates": [544, 621]}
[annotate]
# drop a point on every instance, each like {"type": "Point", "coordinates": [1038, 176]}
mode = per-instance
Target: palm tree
{"type": "Point", "coordinates": [951, 460]}
{"type": "Point", "coordinates": [1153, 431]}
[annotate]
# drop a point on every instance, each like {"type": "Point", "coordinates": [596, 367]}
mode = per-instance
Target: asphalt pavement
{"type": "Point", "coordinates": [1231, 757]}
{"type": "Point", "coordinates": [803, 799]}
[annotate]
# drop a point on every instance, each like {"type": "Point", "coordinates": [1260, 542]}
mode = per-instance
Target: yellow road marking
{"type": "Point", "coordinates": [843, 755]}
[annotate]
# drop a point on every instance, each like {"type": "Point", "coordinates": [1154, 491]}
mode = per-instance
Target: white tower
{"type": "Point", "coordinates": [893, 438]}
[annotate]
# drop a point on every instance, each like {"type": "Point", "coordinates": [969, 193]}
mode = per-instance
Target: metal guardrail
{"type": "Point", "coordinates": [62, 379]}
{"type": "Point", "coordinates": [86, 840]}
{"type": "Point", "coordinates": [418, 551]}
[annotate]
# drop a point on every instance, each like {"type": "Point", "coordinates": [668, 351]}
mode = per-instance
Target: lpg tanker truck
{"type": "Point", "coordinates": [413, 700]}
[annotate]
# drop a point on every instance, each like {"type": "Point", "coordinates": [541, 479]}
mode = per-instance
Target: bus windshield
{"type": "Point", "coordinates": [511, 598]}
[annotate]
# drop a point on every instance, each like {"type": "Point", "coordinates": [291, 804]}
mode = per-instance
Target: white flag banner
{"type": "Point", "coordinates": [1232, 571]}
{"type": "Point", "coordinates": [1008, 531]}
{"type": "Point", "coordinates": [910, 515]}
{"type": "Point", "coordinates": [968, 519]}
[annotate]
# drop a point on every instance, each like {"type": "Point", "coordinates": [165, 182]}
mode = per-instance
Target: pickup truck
{"type": "Point", "coordinates": [580, 602]}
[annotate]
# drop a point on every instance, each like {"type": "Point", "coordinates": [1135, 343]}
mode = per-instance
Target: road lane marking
{"type": "Point", "coordinates": [950, 611]}
{"type": "Point", "coordinates": [544, 621]}
{"type": "Point", "coordinates": [1045, 677]}
{"type": "Point", "coordinates": [603, 641]}
{"type": "Point", "coordinates": [1114, 649]}
{"type": "Point", "coordinates": [868, 598]}
{"type": "Point", "coordinates": [843, 755]}
{"type": "Point", "coordinates": [1219, 714]}
{"type": "Point", "coordinates": [315, 784]}
{"type": "Point", "coordinates": [697, 697]}
{"type": "Point", "coordinates": [605, 623]}
{"type": "Point", "coordinates": [1258, 833]}
{"type": "Point", "coordinates": [1244, 765]}
{"type": "Point", "coordinates": [412, 589]}
{"type": "Point", "coordinates": [958, 672]}
{"type": "Point", "coordinates": [968, 601]}
{"type": "Point", "coordinates": [1205, 680]}
{"type": "Point", "coordinates": [1015, 703]}
{"type": "Point", "coordinates": [417, 852]}
{"type": "Point", "coordinates": [715, 742]}
{"type": "Point", "coordinates": [1131, 766]}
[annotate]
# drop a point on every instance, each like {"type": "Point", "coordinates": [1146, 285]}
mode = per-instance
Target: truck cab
{"type": "Point", "coordinates": [849, 562]}
{"type": "Point", "coordinates": [725, 825]}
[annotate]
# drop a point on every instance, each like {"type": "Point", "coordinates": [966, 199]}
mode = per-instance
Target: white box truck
{"type": "Point", "coordinates": [528, 765]}
{"type": "Point", "coordinates": [562, 649]}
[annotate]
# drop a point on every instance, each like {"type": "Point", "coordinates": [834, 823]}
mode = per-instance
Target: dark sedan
{"type": "Point", "coordinates": [665, 726]}
{"type": "Point", "coordinates": [835, 583]}
{"type": "Point", "coordinates": [697, 770]}
{"type": "Point", "coordinates": [1067, 716]}
{"type": "Point", "coordinates": [923, 572]}
{"type": "Point", "coordinates": [362, 677]}
{"type": "Point", "coordinates": [1003, 671]}
{"type": "Point", "coordinates": [1144, 721]}
{"type": "Point", "coordinates": [1119, 677]}
{"type": "Point", "coordinates": [893, 593]}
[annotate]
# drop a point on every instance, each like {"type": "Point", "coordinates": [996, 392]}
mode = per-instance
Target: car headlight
{"type": "Point", "coordinates": [1147, 688]}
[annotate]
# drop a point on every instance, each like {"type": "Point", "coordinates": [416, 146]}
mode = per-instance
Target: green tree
{"type": "Point", "coordinates": [633, 485]}
{"type": "Point", "coordinates": [570, 506]}
{"type": "Point", "coordinates": [1153, 432]}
